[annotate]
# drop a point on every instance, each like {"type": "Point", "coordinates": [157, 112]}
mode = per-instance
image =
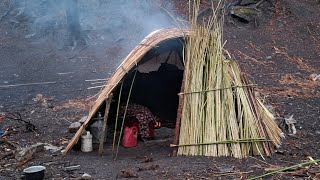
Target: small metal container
{"type": "Point", "coordinates": [34, 172]}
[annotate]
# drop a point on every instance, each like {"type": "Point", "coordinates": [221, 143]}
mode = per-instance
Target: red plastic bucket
{"type": "Point", "coordinates": [129, 138]}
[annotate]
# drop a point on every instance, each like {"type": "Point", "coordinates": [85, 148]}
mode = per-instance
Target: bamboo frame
{"type": "Point", "coordinates": [105, 120]}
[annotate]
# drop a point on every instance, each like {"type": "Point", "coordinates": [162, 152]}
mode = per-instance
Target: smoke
{"type": "Point", "coordinates": [103, 23]}
{"type": "Point", "coordinates": [35, 42]}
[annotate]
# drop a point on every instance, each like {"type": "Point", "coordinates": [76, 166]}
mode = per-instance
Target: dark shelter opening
{"type": "Point", "coordinates": [157, 82]}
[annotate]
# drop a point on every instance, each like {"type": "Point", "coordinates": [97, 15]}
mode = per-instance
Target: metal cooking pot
{"type": "Point", "coordinates": [34, 172]}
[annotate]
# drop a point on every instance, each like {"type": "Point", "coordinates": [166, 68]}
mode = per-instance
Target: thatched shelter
{"type": "Point", "coordinates": [160, 48]}
{"type": "Point", "coordinates": [184, 76]}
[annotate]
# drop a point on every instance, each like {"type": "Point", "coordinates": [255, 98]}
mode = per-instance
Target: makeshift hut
{"type": "Point", "coordinates": [183, 77]}
{"type": "Point", "coordinates": [159, 57]}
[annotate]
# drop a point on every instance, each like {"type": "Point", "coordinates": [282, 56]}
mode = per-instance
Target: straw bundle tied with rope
{"type": "Point", "coordinates": [221, 115]}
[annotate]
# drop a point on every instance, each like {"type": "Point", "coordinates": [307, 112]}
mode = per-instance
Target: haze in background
{"type": "Point", "coordinates": [105, 24]}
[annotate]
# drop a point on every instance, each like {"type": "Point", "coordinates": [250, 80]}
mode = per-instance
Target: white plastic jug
{"type": "Point", "coordinates": [86, 142]}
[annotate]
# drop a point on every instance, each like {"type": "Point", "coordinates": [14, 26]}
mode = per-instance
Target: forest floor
{"type": "Point", "coordinates": [278, 51]}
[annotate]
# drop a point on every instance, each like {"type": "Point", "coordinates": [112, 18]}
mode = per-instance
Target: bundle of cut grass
{"type": "Point", "coordinates": [221, 115]}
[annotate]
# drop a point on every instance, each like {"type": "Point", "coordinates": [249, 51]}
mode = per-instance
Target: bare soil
{"type": "Point", "coordinates": [278, 55]}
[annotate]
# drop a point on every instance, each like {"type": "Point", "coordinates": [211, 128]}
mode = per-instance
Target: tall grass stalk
{"type": "Point", "coordinates": [125, 112]}
{"type": "Point", "coordinates": [117, 117]}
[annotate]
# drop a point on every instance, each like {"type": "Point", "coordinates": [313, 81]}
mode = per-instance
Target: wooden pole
{"type": "Point", "coordinates": [178, 120]}
{"type": "Point", "coordinates": [105, 120]}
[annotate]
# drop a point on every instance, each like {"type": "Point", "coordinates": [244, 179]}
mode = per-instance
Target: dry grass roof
{"type": "Point", "coordinates": [132, 60]}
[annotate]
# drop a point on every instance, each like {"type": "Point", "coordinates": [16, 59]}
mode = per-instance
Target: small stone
{"type": "Point", "coordinates": [52, 148]}
{"type": "Point", "coordinates": [226, 169]}
{"type": "Point", "coordinates": [280, 24]}
{"type": "Point", "coordinates": [83, 119]}
{"type": "Point", "coordinates": [38, 98]}
{"type": "Point", "coordinates": [86, 176]}
{"type": "Point", "coordinates": [44, 103]}
{"type": "Point", "coordinates": [315, 77]}
{"type": "Point", "coordinates": [74, 127]}
{"type": "Point", "coordinates": [72, 168]}
{"type": "Point", "coordinates": [29, 35]}
{"type": "Point", "coordinates": [269, 57]}
{"type": "Point", "coordinates": [50, 105]}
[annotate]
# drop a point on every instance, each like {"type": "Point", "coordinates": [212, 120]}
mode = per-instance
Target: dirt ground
{"type": "Point", "coordinates": [279, 55]}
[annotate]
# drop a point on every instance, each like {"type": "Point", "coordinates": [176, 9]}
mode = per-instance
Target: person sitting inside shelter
{"type": "Point", "coordinates": [141, 117]}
